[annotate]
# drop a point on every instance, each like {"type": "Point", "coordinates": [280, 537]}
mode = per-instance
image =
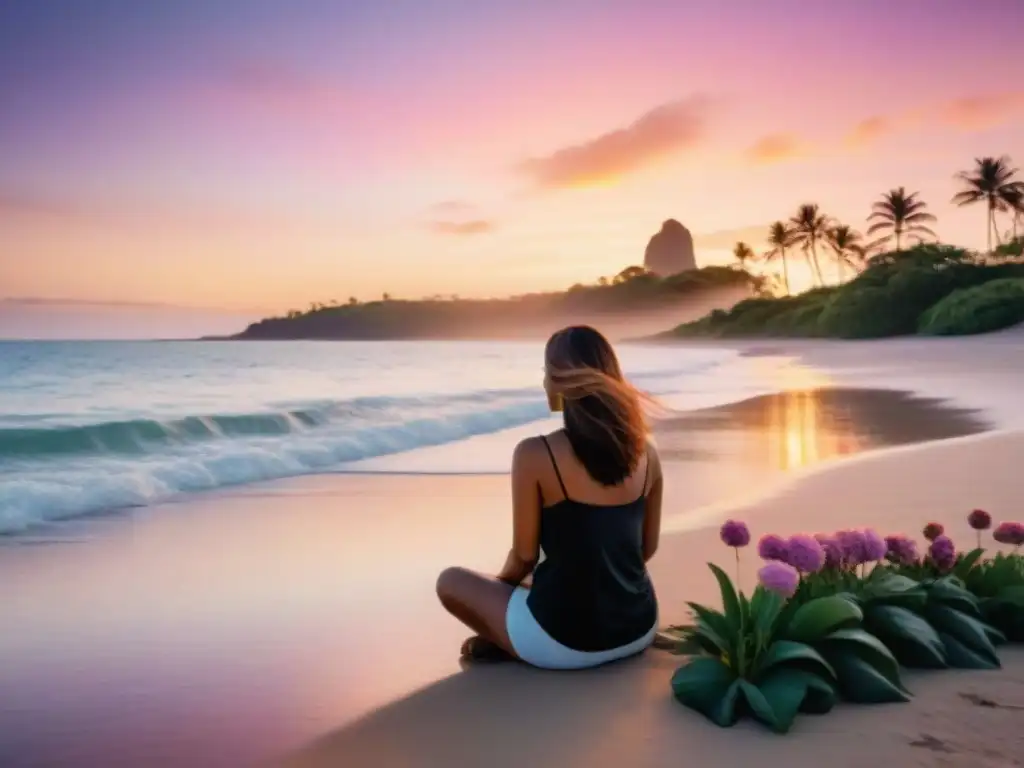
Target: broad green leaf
{"type": "Point", "coordinates": [893, 583]}
{"type": "Point", "coordinates": [867, 648]}
{"type": "Point", "coordinates": [730, 602]}
{"type": "Point", "coordinates": [947, 592]}
{"type": "Point", "coordinates": [912, 640]}
{"type": "Point", "coordinates": [761, 709]}
{"type": "Point", "coordinates": [967, 630]}
{"type": "Point", "coordinates": [704, 684]}
{"type": "Point", "coordinates": [821, 617]}
{"type": "Point", "coordinates": [962, 657]}
{"type": "Point", "coordinates": [792, 654]}
{"type": "Point", "coordinates": [860, 682]}
{"type": "Point", "coordinates": [727, 712]}
{"type": "Point", "coordinates": [789, 691]}
{"type": "Point", "coordinates": [784, 692]}
{"type": "Point", "coordinates": [821, 696]}
{"type": "Point", "coordinates": [1013, 594]}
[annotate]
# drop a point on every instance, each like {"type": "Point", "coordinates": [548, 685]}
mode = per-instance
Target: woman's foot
{"type": "Point", "coordinates": [479, 648]}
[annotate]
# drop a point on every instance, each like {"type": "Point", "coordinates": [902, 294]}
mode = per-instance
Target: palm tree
{"type": "Point", "coordinates": [848, 246]}
{"type": "Point", "coordinates": [780, 237]}
{"type": "Point", "coordinates": [744, 254]}
{"type": "Point", "coordinates": [809, 228]}
{"type": "Point", "coordinates": [992, 180]}
{"type": "Point", "coordinates": [898, 214]}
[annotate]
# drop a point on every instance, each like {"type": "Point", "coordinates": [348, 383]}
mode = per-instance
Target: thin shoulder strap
{"type": "Point", "coordinates": [554, 464]}
{"type": "Point", "coordinates": [647, 472]}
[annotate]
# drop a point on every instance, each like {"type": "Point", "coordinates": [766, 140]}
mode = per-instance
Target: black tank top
{"type": "Point", "coordinates": [592, 591]}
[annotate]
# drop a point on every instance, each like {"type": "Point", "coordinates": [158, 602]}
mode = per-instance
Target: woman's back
{"type": "Point", "coordinates": [591, 592]}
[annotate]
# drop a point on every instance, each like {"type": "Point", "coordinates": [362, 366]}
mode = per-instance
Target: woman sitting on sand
{"type": "Point", "coordinates": [589, 496]}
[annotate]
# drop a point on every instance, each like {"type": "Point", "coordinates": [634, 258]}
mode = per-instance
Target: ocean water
{"type": "Point", "coordinates": [88, 427]}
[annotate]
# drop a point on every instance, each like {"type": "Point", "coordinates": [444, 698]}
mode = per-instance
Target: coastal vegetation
{"type": "Point", "coordinates": [904, 282]}
{"type": "Point", "coordinates": [631, 292]}
{"type": "Point", "coordinates": [836, 616]}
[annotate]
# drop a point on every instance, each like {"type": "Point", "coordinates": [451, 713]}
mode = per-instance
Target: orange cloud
{"type": "Point", "coordinates": [977, 112]}
{"type": "Point", "coordinates": [452, 208]}
{"type": "Point", "coordinates": [773, 149]}
{"type": "Point", "coordinates": [606, 158]}
{"type": "Point", "coordinates": [868, 131]}
{"type": "Point", "coordinates": [472, 227]}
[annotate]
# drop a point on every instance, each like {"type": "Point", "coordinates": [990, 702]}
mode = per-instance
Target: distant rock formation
{"type": "Point", "coordinates": [670, 251]}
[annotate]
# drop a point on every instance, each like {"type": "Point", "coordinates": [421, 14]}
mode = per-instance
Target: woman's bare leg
{"type": "Point", "coordinates": [479, 602]}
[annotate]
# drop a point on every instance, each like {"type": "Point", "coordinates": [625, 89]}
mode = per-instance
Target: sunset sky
{"type": "Point", "coordinates": [253, 156]}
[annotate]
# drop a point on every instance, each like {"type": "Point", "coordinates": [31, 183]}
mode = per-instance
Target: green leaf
{"type": "Point", "coordinates": [765, 607]}
{"type": "Point", "coordinates": [967, 630]}
{"type": "Point", "coordinates": [762, 710]}
{"type": "Point", "coordinates": [730, 602]}
{"type": "Point", "coordinates": [708, 686]}
{"type": "Point", "coordinates": [789, 691]}
{"type": "Point", "coordinates": [960, 656]}
{"type": "Point", "coordinates": [894, 589]}
{"type": "Point", "coordinates": [865, 647]}
{"type": "Point", "coordinates": [948, 592]}
{"type": "Point", "coordinates": [821, 696]}
{"type": "Point", "coordinates": [714, 627]}
{"type": "Point", "coordinates": [912, 640]}
{"type": "Point", "coordinates": [821, 617]}
{"type": "Point", "coordinates": [966, 563]}
{"type": "Point", "coordinates": [860, 682]}
{"type": "Point", "coordinates": [792, 654]}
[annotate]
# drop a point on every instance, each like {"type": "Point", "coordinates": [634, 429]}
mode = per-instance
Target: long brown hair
{"type": "Point", "coordinates": [603, 413]}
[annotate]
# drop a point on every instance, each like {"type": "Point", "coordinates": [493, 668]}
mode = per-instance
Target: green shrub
{"type": "Point", "coordinates": [864, 313]}
{"type": "Point", "coordinates": [987, 307]}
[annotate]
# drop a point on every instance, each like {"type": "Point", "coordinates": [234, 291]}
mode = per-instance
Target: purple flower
{"type": "Point", "coordinates": [735, 534]}
{"type": "Point", "coordinates": [779, 577]}
{"type": "Point", "coordinates": [1009, 533]}
{"type": "Point", "coordinates": [933, 530]}
{"type": "Point", "coordinates": [772, 547]}
{"type": "Point", "coordinates": [854, 547]}
{"type": "Point", "coordinates": [901, 550]}
{"type": "Point", "coordinates": [874, 546]}
{"type": "Point", "coordinates": [980, 520]}
{"type": "Point", "coordinates": [805, 553]}
{"type": "Point", "coordinates": [833, 552]}
{"type": "Point", "coordinates": [943, 552]}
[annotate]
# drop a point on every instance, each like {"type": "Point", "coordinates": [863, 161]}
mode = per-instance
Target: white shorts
{"type": "Point", "coordinates": [537, 648]}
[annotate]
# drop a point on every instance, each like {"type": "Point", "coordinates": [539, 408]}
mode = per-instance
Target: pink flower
{"type": "Point", "coordinates": [854, 547]}
{"type": "Point", "coordinates": [772, 547]}
{"type": "Point", "coordinates": [901, 550]}
{"type": "Point", "coordinates": [980, 520]}
{"type": "Point", "coordinates": [943, 552]}
{"type": "Point", "coordinates": [874, 546]}
{"type": "Point", "coordinates": [933, 530]}
{"type": "Point", "coordinates": [805, 553]}
{"type": "Point", "coordinates": [779, 577]}
{"type": "Point", "coordinates": [1009, 533]}
{"type": "Point", "coordinates": [833, 552]}
{"type": "Point", "coordinates": [735, 534]}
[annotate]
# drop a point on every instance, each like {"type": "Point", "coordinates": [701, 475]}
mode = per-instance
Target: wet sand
{"type": "Point", "coordinates": [236, 627]}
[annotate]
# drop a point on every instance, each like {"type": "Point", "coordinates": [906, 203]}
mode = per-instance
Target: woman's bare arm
{"type": "Point", "coordinates": [652, 512]}
{"type": "Point", "coordinates": [525, 515]}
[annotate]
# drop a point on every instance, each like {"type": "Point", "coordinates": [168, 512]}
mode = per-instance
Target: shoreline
{"type": "Point", "coordinates": [297, 616]}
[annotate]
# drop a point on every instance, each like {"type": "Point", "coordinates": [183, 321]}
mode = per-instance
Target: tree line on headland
{"type": "Point", "coordinates": [926, 288]}
{"type": "Point", "coordinates": [632, 295]}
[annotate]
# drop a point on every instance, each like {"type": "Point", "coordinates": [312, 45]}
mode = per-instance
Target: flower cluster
{"type": "Point", "coordinates": [901, 550]}
{"type": "Point", "coordinates": [1009, 533]}
{"type": "Point", "coordinates": [788, 560]}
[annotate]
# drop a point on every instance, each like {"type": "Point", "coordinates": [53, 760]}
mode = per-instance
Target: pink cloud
{"type": "Point", "coordinates": [869, 131]}
{"type": "Point", "coordinates": [662, 131]}
{"type": "Point", "coordinates": [979, 112]}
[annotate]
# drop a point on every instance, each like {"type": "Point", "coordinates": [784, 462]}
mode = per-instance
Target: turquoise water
{"type": "Point", "coordinates": [94, 426]}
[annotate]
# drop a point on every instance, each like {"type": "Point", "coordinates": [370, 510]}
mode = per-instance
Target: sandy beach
{"type": "Point", "coordinates": [294, 622]}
